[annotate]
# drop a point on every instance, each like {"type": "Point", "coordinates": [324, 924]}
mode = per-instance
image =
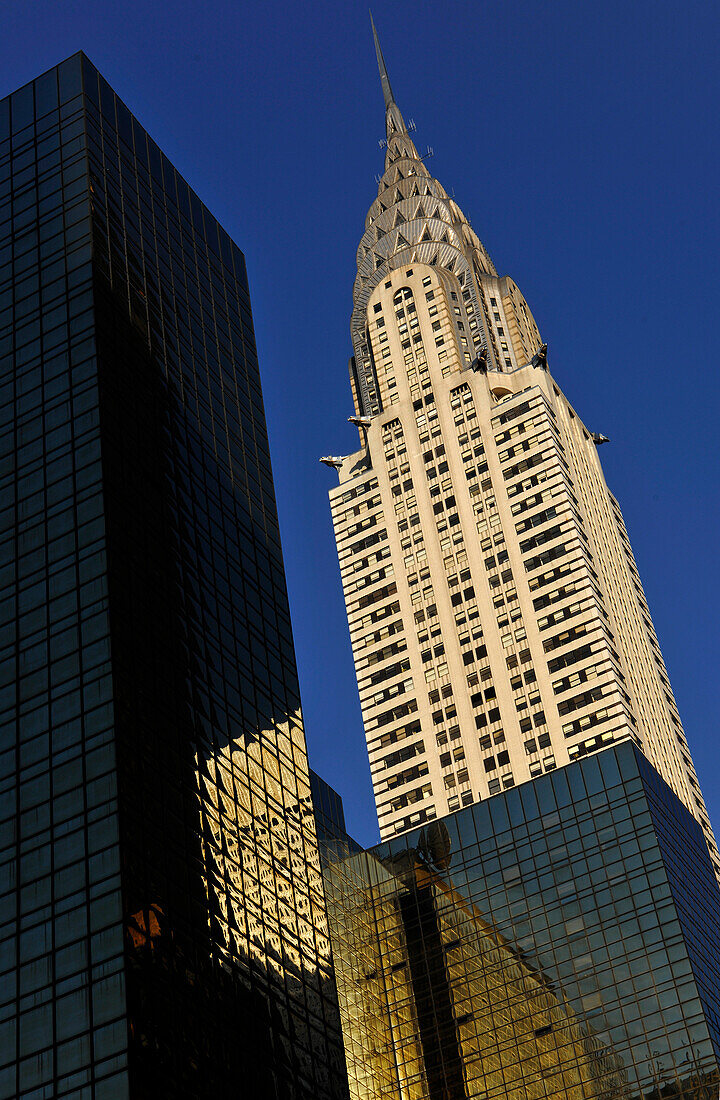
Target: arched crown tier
{"type": "Point", "coordinates": [412, 220]}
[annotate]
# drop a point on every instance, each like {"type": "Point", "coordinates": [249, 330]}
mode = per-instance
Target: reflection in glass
{"type": "Point", "coordinates": [536, 945]}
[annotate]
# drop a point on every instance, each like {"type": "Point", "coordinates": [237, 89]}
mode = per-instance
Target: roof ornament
{"type": "Point", "coordinates": [384, 78]}
{"type": "Point", "coordinates": [394, 121]}
{"type": "Point", "coordinates": [480, 363]}
{"type": "Point", "coordinates": [539, 359]}
{"type": "Point", "coordinates": [362, 423]}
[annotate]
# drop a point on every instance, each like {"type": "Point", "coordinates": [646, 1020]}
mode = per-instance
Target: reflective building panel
{"type": "Point", "coordinates": [162, 921]}
{"type": "Point", "coordinates": [559, 940]}
{"type": "Point", "coordinates": [334, 842]}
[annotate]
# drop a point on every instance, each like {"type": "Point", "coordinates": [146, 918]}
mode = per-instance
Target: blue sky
{"type": "Point", "coordinates": [582, 142]}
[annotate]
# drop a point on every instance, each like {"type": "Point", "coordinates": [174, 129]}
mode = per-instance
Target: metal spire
{"type": "Point", "coordinates": [384, 78]}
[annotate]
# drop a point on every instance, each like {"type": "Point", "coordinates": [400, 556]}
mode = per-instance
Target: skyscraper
{"type": "Point", "coordinates": [162, 923]}
{"type": "Point", "coordinates": [561, 940]}
{"type": "Point", "coordinates": [498, 623]}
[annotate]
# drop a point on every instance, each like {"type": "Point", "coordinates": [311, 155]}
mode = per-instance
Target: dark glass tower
{"type": "Point", "coordinates": [162, 922]}
{"type": "Point", "coordinates": [560, 940]}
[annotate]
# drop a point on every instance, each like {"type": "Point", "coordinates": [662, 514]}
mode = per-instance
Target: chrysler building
{"type": "Point", "coordinates": [498, 622]}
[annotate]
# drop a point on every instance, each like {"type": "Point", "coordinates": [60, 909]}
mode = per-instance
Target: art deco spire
{"type": "Point", "coordinates": [413, 220]}
{"type": "Point", "coordinates": [384, 78]}
{"type": "Point", "coordinates": [394, 122]}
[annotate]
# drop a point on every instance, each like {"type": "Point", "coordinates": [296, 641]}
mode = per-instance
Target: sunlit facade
{"type": "Point", "coordinates": [561, 940]}
{"type": "Point", "coordinates": [162, 923]}
{"type": "Point", "coordinates": [498, 623]}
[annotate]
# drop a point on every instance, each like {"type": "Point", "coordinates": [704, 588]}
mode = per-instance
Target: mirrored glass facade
{"type": "Point", "coordinates": [162, 921]}
{"type": "Point", "coordinates": [559, 940]}
{"type": "Point", "coordinates": [334, 842]}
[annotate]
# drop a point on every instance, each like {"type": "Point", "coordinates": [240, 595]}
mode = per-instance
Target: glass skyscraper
{"type": "Point", "coordinates": [559, 940]}
{"type": "Point", "coordinates": [162, 922]}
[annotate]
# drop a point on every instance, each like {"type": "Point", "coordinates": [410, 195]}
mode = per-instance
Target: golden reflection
{"type": "Point", "coordinates": [143, 927]}
{"type": "Point", "coordinates": [263, 881]}
{"type": "Point", "coordinates": [438, 1005]}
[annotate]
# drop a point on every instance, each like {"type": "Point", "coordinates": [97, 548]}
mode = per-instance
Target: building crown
{"type": "Point", "coordinates": [412, 220]}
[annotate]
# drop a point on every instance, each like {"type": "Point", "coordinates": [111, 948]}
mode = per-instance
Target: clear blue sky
{"type": "Point", "coordinates": [581, 139]}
